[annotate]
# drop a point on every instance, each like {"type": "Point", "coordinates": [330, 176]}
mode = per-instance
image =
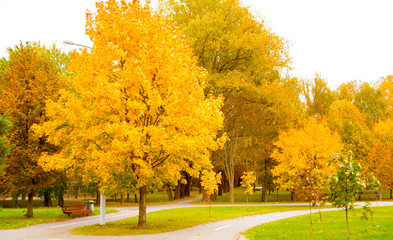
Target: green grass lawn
{"type": "Point", "coordinates": [333, 226]}
{"type": "Point", "coordinates": [174, 219]}
{"type": "Point", "coordinates": [14, 217]}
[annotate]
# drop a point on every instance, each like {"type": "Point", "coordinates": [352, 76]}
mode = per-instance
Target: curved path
{"type": "Point", "coordinates": [224, 229]}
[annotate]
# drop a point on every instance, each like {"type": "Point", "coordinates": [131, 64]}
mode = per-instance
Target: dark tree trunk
{"type": "Point", "coordinates": [169, 192]}
{"type": "Point", "coordinates": [60, 201]}
{"type": "Point", "coordinates": [142, 206]}
{"type": "Point", "coordinates": [47, 200]}
{"type": "Point", "coordinates": [293, 195]}
{"type": "Point", "coordinates": [121, 199]}
{"type": "Point", "coordinates": [187, 189]}
{"type": "Point", "coordinates": [182, 190]}
{"type": "Point", "coordinates": [219, 189]}
{"type": "Point", "coordinates": [98, 197]}
{"type": "Point", "coordinates": [128, 197]}
{"type": "Point", "coordinates": [391, 191]}
{"type": "Point", "coordinates": [23, 196]}
{"type": "Point", "coordinates": [136, 198]}
{"type": "Point", "coordinates": [177, 192]}
{"type": "Point", "coordinates": [265, 185]}
{"type": "Point", "coordinates": [226, 186]}
{"type": "Point", "coordinates": [30, 196]}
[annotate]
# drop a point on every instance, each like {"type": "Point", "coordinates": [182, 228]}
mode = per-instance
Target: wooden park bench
{"type": "Point", "coordinates": [75, 209]}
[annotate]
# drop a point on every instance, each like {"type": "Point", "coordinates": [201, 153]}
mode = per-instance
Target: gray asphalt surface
{"type": "Point", "coordinates": [220, 230]}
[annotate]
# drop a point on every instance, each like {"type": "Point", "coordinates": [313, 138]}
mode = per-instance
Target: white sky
{"type": "Point", "coordinates": [343, 40]}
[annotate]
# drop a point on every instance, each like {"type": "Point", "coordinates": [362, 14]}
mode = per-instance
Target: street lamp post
{"type": "Point", "coordinates": [67, 42]}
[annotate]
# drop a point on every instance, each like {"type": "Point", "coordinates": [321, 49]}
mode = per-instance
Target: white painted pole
{"type": "Point", "coordinates": [102, 209]}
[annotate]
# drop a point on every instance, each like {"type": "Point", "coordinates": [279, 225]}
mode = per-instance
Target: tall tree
{"type": "Point", "coordinates": [243, 57]}
{"type": "Point", "coordinates": [136, 105]}
{"type": "Point", "coordinates": [32, 75]}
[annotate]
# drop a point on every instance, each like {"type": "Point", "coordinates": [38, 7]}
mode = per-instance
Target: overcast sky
{"type": "Point", "coordinates": [342, 40]}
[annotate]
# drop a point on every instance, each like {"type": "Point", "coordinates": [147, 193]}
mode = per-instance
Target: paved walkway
{"type": "Point", "coordinates": [225, 229]}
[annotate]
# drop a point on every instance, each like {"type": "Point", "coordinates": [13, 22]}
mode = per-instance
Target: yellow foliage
{"type": "Point", "coordinates": [313, 146]}
{"type": "Point", "coordinates": [248, 181]}
{"type": "Point", "coordinates": [136, 103]}
{"type": "Point", "coordinates": [210, 181]}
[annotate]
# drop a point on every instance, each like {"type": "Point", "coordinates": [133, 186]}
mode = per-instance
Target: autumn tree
{"type": "Point", "coordinates": [347, 91]}
{"type": "Point", "coordinates": [31, 75]}
{"type": "Point", "coordinates": [244, 58]}
{"type": "Point", "coordinates": [370, 101]}
{"type": "Point", "coordinates": [385, 86]}
{"type": "Point", "coordinates": [318, 96]}
{"type": "Point", "coordinates": [5, 125]}
{"type": "Point", "coordinates": [380, 157]}
{"type": "Point", "coordinates": [304, 157]}
{"type": "Point", "coordinates": [136, 104]}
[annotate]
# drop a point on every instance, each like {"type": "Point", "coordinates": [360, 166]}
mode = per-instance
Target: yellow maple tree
{"type": "Point", "coordinates": [136, 104]}
{"type": "Point", "coordinates": [304, 153]}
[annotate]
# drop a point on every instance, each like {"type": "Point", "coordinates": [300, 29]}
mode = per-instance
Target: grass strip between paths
{"type": "Point", "coordinates": [15, 218]}
{"type": "Point", "coordinates": [179, 218]}
{"type": "Point", "coordinates": [333, 226]}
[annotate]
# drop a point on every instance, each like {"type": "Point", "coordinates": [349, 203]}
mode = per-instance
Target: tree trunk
{"type": "Point", "coordinates": [136, 197]}
{"type": "Point", "coordinates": [205, 197]}
{"type": "Point", "coordinates": [219, 189]}
{"type": "Point", "coordinates": [60, 201]}
{"type": "Point", "coordinates": [293, 195]}
{"type": "Point", "coordinates": [177, 192]}
{"type": "Point", "coordinates": [23, 196]}
{"type": "Point", "coordinates": [47, 200]}
{"type": "Point", "coordinates": [231, 192]}
{"type": "Point", "coordinates": [169, 192]}
{"type": "Point", "coordinates": [346, 216]}
{"type": "Point", "coordinates": [128, 197]}
{"type": "Point", "coordinates": [380, 194]}
{"type": "Point", "coordinates": [121, 199]}
{"type": "Point", "coordinates": [142, 206]}
{"type": "Point", "coordinates": [98, 197]}
{"type": "Point", "coordinates": [264, 186]}
{"type": "Point", "coordinates": [391, 193]}
{"type": "Point", "coordinates": [187, 189]}
{"type": "Point", "coordinates": [182, 190]}
{"type": "Point", "coordinates": [30, 196]}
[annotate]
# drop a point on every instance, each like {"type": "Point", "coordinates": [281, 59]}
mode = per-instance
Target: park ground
{"type": "Point", "coordinates": [218, 228]}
